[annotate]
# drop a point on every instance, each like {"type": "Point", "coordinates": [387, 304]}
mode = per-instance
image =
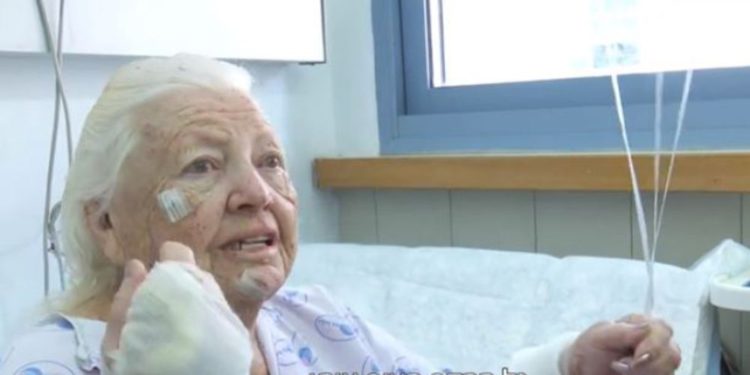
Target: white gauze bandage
{"type": "Point", "coordinates": [180, 323]}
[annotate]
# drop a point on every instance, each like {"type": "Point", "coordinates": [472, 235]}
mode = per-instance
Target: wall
{"type": "Point", "coordinates": [26, 107]}
{"type": "Point", "coordinates": [352, 58]}
{"type": "Point", "coordinates": [557, 223]}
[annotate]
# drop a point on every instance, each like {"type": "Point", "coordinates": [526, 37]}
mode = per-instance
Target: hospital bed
{"type": "Point", "coordinates": [470, 309]}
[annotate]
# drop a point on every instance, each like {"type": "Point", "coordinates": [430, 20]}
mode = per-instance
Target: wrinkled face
{"type": "Point", "coordinates": [218, 150]}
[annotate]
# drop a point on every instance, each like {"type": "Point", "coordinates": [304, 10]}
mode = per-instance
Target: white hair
{"type": "Point", "coordinates": [106, 140]}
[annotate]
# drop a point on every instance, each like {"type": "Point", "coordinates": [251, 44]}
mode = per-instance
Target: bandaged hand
{"type": "Point", "coordinates": [634, 345]}
{"type": "Point", "coordinates": [173, 320]}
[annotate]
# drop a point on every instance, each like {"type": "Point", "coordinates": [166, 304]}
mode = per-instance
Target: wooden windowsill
{"type": "Point", "coordinates": [710, 172]}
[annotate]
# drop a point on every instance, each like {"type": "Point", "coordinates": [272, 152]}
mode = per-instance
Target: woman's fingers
{"type": "Point", "coordinates": [655, 354]}
{"type": "Point", "coordinates": [633, 318]}
{"type": "Point", "coordinates": [663, 359]}
{"type": "Point", "coordinates": [618, 337]}
{"type": "Point", "coordinates": [661, 365]}
{"type": "Point", "coordinates": [135, 273]}
{"type": "Point", "coordinates": [658, 342]}
{"type": "Point", "coordinates": [676, 355]}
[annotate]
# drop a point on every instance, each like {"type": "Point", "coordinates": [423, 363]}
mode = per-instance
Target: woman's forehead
{"type": "Point", "coordinates": [203, 114]}
{"type": "Point", "coordinates": [191, 104]}
{"type": "Point", "coordinates": [220, 136]}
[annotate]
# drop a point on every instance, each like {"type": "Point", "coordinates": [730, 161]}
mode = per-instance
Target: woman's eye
{"type": "Point", "coordinates": [200, 166]}
{"type": "Point", "coordinates": [273, 161]}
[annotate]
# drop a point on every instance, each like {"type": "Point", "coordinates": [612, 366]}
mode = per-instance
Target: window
{"type": "Point", "coordinates": [500, 41]}
{"type": "Point", "coordinates": [532, 75]}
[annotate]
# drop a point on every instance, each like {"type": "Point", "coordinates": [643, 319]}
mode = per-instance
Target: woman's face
{"type": "Point", "coordinates": [218, 150]}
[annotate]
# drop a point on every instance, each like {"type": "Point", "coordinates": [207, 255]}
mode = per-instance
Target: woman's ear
{"type": "Point", "coordinates": [102, 232]}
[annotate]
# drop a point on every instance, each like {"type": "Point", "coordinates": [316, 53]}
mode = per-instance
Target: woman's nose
{"type": "Point", "coordinates": [249, 191]}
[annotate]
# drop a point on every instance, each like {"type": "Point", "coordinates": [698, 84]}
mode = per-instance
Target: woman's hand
{"type": "Point", "coordinates": [135, 273]}
{"type": "Point", "coordinates": [173, 320]}
{"type": "Point", "coordinates": [634, 345]}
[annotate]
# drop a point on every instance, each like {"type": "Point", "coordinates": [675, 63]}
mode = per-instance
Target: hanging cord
{"type": "Point", "coordinates": [680, 121]}
{"type": "Point", "coordinates": [658, 105]}
{"type": "Point", "coordinates": [50, 243]}
{"type": "Point", "coordinates": [649, 254]}
{"type": "Point", "coordinates": [54, 246]}
{"type": "Point", "coordinates": [641, 217]}
{"type": "Point", "coordinates": [658, 94]}
{"type": "Point", "coordinates": [640, 214]}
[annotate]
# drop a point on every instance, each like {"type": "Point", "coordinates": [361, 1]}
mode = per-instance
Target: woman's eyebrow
{"type": "Point", "coordinates": [267, 139]}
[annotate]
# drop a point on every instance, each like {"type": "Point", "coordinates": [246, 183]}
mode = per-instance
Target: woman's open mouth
{"type": "Point", "coordinates": [249, 243]}
{"type": "Point", "coordinates": [252, 248]}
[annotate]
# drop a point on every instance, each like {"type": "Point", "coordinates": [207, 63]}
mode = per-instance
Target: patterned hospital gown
{"type": "Point", "coordinates": [301, 331]}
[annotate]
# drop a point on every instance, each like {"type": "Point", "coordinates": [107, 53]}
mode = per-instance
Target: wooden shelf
{"type": "Point", "coordinates": [717, 172]}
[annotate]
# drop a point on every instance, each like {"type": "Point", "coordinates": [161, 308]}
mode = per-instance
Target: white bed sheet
{"type": "Point", "coordinates": [469, 309]}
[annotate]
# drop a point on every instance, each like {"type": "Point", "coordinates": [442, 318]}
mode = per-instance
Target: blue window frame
{"type": "Point", "coordinates": [567, 115]}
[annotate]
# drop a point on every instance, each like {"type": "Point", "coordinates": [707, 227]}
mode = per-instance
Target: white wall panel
{"type": "Point", "coordinates": [493, 219]}
{"type": "Point", "coordinates": [413, 218]}
{"type": "Point", "coordinates": [579, 223]}
{"type": "Point", "coordinates": [693, 224]}
{"type": "Point", "coordinates": [357, 220]}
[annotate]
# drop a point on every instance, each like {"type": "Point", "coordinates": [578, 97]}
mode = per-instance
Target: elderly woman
{"type": "Point", "coordinates": [180, 231]}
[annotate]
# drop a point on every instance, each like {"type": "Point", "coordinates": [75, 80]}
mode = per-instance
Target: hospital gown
{"type": "Point", "coordinates": [301, 331]}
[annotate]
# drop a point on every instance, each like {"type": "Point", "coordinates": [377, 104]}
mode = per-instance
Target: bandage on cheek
{"type": "Point", "coordinates": [176, 204]}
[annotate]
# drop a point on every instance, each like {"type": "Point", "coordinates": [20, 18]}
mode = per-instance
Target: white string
{"type": "Point", "coordinates": [678, 132]}
{"type": "Point", "coordinates": [658, 94]}
{"type": "Point", "coordinates": [641, 217]}
{"type": "Point", "coordinates": [649, 254]}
